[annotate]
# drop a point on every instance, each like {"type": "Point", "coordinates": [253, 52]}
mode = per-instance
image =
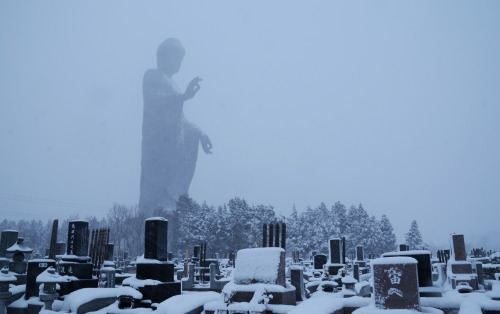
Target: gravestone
{"type": "Point", "coordinates": [76, 262]}
{"type": "Point", "coordinates": [155, 239]}
{"type": "Point", "coordinates": [8, 239]}
{"type": "Point", "coordinates": [424, 266]}
{"type": "Point", "coordinates": [336, 261]}
{"type": "Point", "coordinates": [297, 280]}
{"type": "Point", "coordinates": [154, 265]}
{"type": "Point", "coordinates": [319, 261]}
{"type": "Point", "coordinates": [356, 272]}
{"type": "Point", "coordinates": [404, 247]}
{"type": "Point", "coordinates": [35, 268]}
{"type": "Point", "coordinates": [395, 283]}
{"type": "Point", "coordinates": [360, 253]}
{"type": "Point", "coordinates": [111, 252]}
{"type": "Point", "coordinates": [336, 251]}
{"type": "Point", "coordinates": [459, 247]}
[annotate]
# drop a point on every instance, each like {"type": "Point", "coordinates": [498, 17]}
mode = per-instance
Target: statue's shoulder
{"type": "Point", "coordinates": [153, 74]}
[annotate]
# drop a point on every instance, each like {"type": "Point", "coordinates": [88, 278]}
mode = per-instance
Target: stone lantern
{"type": "Point", "coordinates": [5, 280]}
{"type": "Point", "coordinates": [18, 253]}
{"type": "Point", "coordinates": [348, 289]}
{"type": "Point", "coordinates": [107, 275]}
{"type": "Point", "coordinates": [49, 279]}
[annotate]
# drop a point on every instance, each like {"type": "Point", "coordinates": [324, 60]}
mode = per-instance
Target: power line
{"type": "Point", "coordinates": [47, 202]}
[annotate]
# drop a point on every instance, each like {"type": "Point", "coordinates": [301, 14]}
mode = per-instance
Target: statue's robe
{"type": "Point", "coordinates": [169, 144]}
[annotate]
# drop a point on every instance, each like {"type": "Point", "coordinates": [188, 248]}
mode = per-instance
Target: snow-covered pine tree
{"type": "Point", "coordinates": [413, 237]}
{"type": "Point", "coordinates": [388, 237]}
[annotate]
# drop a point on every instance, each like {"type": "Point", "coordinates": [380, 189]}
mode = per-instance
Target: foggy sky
{"type": "Point", "coordinates": [395, 105]}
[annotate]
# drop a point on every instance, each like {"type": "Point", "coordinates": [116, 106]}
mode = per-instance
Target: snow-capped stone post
{"type": "Point", "coordinates": [395, 283]}
{"type": "Point", "coordinates": [297, 280]}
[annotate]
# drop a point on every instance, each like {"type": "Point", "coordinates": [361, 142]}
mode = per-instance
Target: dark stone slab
{"type": "Point", "coordinates": [285, 298]}
{"type": "Point", "coordinates": [161, 292]}
{"type": "Point", "coordinates": [155, 240]}
{"type": "Point", "coordinates": [459, 247]}
{"type": "Point", "coordinates": [336, 251]}
{"type": "Point", "coordinates": [18, 267]}
{"type": "Point", "coordinates": [277, 236]}
{"type": "Point", "coordinates": [7, 239]}
{"type": "Point", "coordinates": [264, 235]}
{"type": "Point", "coordinates": [78, 270]}
{"type": "Point", "coordinates": [35, 268]}
{"type": "Point", "coordinates": [163, 272]}
{"type": "Point", "coordinates": [479, 272]}
{"type": "Point", "coordinates": [396, 284]}
{"type": "Point", "coordinates": [78, 238]}
{"type": "Point", "coordinates": [271, 235]}
{"type": "Point", "coordinates": [110, 252]}
{"type": "Point", "coordinates": [356, 272]}
{"type": "Point", "coordinates": [319, 261]}
{"type": "Point", "coordinates": [404, 247]}
{"type": "Point", "coordinates": [71, 286]}
{"type": "Point", "coordinates": [461, 268]}
{"type": "Point", "coordinates": [60, 248]}
{"type": "Point", "coordinates": [360, 253]}
{"type": "Point", "coordinates": [95, 305]}
{"type": "Point", "coordinates": [297, 280]}
{"type": "Point", "coordinates": [424, 266]}
{"type": "Point", "coordinates": [333, 269]}
{"type": "Point", "coordinates": [197, 252]}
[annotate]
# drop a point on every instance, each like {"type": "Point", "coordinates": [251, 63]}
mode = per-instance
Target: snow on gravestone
{"type": "Point", "coordinates": [260, 265]}
{"type": "Point", "coordinates": [395, 282]}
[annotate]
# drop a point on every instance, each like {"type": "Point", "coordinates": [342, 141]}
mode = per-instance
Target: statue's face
{"type": "Point", "coordinates": [170, 62]}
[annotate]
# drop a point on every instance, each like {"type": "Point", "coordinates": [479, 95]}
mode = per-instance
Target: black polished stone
{"type": "Point", "coordinates": [163, 272]}
{"type": "Point", "coordinates": [424, 266]}
{"type": "Point", "coordinates": [8, 239]}
{"type": "Point", "coordinates": [360, 253]}
{"type": "Point", "coordinates": [319, 261]}
{"type": "Point", "coordinates": [459, 247]}
{"type": "Point", "coordinates": [35, 268]}
{"type": "Point", "coordinates": [336, 251]}
{"type": "Point", "coordinates": [161, 292]}
{"type": "Point", "coordinates": [155, 241]}
{"type": "Point", "coordinates": [78, 270]}
{"type": "Point", "coordinates": [78, 238]}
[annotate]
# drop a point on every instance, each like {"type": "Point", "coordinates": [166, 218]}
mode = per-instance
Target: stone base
{"type": "Point", "coordinates": [21, 279]}
{"type": "Point", "coordinates": [163, 272]}
{"type": "Point", "coordinates": [333, 269]}
{"type": "Point", "coordinates": [161, 292]}
{"type": "Point", "coordinates": [68, 287]}
{"type": "Point", "coordinates": [78, 270]}
{"type": "Point", "coordinates": [284, 298]}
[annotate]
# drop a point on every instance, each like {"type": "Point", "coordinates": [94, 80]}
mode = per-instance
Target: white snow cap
{"type": "Point", "coordinates": [157, 218]}
{"type": "Point", "coordinates": [394, 260]}
{"type": "Point", "coordinates": [259, 265]}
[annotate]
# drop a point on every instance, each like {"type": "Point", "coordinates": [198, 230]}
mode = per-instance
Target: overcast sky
{"type": "Point", "coordinates": [392, 104]}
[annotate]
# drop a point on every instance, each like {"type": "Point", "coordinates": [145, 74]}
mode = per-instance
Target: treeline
{"type": "Point", "coordinates": [226, 228]}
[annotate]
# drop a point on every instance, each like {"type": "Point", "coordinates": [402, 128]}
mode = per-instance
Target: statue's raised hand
{"type": "Point", "coordinates": [206, 144]}
{"type": "Point", "coordinates": [192, 88]}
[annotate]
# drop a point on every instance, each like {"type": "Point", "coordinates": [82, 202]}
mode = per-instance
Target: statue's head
{"type": "Point", "coordinates": [169, 56]}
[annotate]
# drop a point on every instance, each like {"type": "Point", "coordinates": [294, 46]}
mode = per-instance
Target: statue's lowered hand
{"type": "Point", "coordinates": [192, 88]}
{"type": "Point", "coordinates": [206, 144]}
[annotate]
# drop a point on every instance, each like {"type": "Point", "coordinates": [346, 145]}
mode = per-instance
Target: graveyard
{"type": "Point", "coordinates": [83, 275]}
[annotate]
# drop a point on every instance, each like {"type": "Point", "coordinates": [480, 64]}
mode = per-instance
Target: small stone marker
{"type": "Point", "coordinates": [319, 261]}
{"type": "Point", "coordinates": [395, 283]}
{"type": "Point", "coordinates": [360, 253]}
